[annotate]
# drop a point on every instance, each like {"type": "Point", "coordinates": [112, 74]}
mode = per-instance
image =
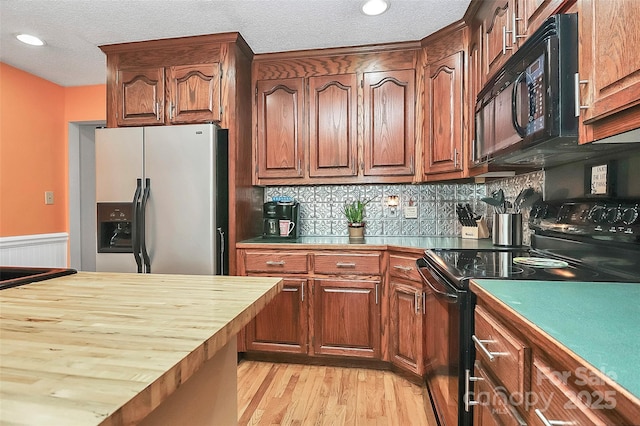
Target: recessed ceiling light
{"type": "Point", "coordinates": [29, 39]}
{"type": "Point", "coordinates": [374, 7]}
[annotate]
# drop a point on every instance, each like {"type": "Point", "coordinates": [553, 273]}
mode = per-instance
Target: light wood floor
{"type": "Point", "coordinates": [291, 394]}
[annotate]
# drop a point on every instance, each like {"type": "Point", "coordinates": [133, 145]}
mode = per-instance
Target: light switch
{"type": "Point", "coordinates": [411, 212]}
{"type": "Point", "coordinates": [48, 197]}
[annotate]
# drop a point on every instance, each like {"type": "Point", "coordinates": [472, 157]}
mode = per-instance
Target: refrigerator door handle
{"type": "Point", "coordinates": [143, 214]}
{"type": "Point", "coordinates": [135, 225]}
{"type": "Point", "coordinates": [221, 250]}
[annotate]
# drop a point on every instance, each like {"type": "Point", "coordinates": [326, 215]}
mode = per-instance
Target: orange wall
{"type": "Point", "coordinates": [34, 117]}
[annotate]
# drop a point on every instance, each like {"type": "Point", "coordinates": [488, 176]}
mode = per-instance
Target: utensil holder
{"type": "Point", "coordinates": [507, 229]}
{"type": "Point", "coordinates": [476, 232]}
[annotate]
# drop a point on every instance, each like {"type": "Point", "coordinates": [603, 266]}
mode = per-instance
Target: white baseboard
{"type": "Point", "coordinates": [35, 250]}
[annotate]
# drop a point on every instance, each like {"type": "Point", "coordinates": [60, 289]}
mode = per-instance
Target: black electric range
{"type": "Point", "coordinates": [573, 240]}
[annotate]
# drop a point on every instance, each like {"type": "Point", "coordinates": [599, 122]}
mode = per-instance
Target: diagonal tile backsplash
{"type": "Point", "coordinates": [321, 205]}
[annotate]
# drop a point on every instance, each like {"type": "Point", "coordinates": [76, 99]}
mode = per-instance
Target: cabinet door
{"type": "Point", "coordinates": [333, 146]}
{"type": "Point", "coordinates": [443, 114]}
{"type": "Point", "coordinates": [609, 61]}
{"type": "Point", "coordinates": [389, 104]}
{"type": "Point", "coordinates": [346, 317]}
{"type": "Point", "coordinates": [279, 140]}
{"type": "Point", "coordinates": [406, 329]}
{"type": "Point", "coordinates": [140, 97]}
{"type": "Point", "coordinates": [282, 326]}
{"type": "Point", "coordinates": [194, 93]}
{"type": "Point", "coordinates": [498, 45]}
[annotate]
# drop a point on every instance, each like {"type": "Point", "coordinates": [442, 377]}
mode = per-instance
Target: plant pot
{"type": "Point", "coordinates": [356, 231]}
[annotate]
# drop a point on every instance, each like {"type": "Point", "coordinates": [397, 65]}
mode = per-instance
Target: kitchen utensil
{"type": "Point", "coordinates": [524, 194]}
{"type": "Point", "coordinates": [530, 200]}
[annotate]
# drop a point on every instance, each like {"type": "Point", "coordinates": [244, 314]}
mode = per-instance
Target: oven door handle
{"type": "Point", "coordinates": [452, 297]}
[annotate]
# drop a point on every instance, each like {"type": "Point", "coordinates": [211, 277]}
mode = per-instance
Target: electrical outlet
{"type": "Point", "coordinates": [48, 197]}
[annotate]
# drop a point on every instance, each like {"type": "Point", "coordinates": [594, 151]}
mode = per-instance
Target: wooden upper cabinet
{"type": "Point", "coordinates": [443, 114]}
{"type": "Point", "coordinates": [389, 105]}
{"type": "Point", "coordinates": [609, 64]}
{"type": "Point", "coordinates": [140, 97]}
{"type": "Point", "coordinates": [333, 145]}
{"type": "Point", "coordinates": [497, 42]}
{"type": "Point", "coordinates": [280, 125]}
{"type": "Point", "coordinates": [194, 93]}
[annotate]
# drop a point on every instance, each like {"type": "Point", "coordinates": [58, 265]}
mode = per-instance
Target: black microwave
{"type": "Point", "coordinates": [526, 113]}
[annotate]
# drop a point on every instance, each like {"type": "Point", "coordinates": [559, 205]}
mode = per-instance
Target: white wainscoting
{"type": "Point", "coordinates": [35, 250]}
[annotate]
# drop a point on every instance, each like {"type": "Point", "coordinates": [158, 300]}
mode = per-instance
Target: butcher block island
{"type": "Point", "coordinates": [122, 349]}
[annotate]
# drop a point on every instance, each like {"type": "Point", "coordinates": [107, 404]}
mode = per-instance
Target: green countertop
{"type": "Point", "coordinates": [408, 242]}
{"type": "Point", "coordinates": [600, 322]}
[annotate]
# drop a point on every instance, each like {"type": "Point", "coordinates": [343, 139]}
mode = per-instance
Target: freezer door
{"type": "Point", "coordinates": [180, 214]}
{"type": "Point", "coordinates": [119, 163]}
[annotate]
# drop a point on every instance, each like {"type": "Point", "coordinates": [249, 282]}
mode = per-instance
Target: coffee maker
{"type": "Point", "coordinates": [281, 219]}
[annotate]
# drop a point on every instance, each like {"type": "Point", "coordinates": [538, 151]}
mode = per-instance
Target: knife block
{"type": "Point", "coordinates": [476, 232]}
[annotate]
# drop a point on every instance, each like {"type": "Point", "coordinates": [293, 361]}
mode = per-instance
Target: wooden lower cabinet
{"type": "Point", "coordinates": [282, 326]}
{"type": "Point", "coordinates": [346, 317]}
{"type": "Point", "coordinates": [406, 317]}
{"type": "Point", "coordinates": [522, 376]}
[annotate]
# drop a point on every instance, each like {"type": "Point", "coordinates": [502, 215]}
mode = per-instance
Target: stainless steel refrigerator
{"type": "Point", "coordinates": [162, 199]}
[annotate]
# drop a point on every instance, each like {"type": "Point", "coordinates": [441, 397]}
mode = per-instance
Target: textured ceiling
{"type": "Point", "coordinates": [73, 29]}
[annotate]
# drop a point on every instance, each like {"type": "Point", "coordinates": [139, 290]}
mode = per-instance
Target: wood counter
{"type": "Point", "coordinates": [108, 348]}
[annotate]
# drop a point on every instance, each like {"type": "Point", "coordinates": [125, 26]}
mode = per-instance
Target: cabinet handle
{"type": "Point", "coordinates": [289, 289]}
{"type": "Point", "coordinates": [483, 348]}
{"type": "Point", "coordinates": [158, 111]}
{"type": "Point", "coordinates": [424, 303]}
{"type": "Point", "coordinates": [171, 111]}
{"type": "Point", "coordinates": [377, 293]}
{"type": "Point", "coordinates": [345, 265]}
{"type": "Point", "coordinates": [468, 378]}
{"type": "Point", "coordinates": [299, 167]}
{"type": "Point", "coordinates": [275, 262]}
{"type": "Point", "coordinates": [455, 158]}
{"type": "Point", "coordinates": [416, 304]}
{"type": "Point", "coordinates": [504, 41]}
{"type": "Point", "coordinates": [548, 422]}
{"type": "Point", "coordinates": [514, 31]}
{"type": "Point", "coordinates": [578, 82]}
{"type": "Point", "coordinates": [302, 292]}
{"type": "Point", "coordinates": [403, 268]}
{"type": "Point", "coordinates": [411, 165]}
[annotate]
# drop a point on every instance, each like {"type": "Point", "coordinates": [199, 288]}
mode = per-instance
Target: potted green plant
{"type": "Point", "coordinates": [354, 212]}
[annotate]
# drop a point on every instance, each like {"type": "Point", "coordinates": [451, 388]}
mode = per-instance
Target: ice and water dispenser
{"type": "Point", "coordinates": [115, 222]}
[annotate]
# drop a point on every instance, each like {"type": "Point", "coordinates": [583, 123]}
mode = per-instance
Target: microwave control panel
{"type": "Point", "coordinates": [534, 78]}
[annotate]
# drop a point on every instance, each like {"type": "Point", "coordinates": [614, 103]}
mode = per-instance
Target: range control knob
{"type": "Point", "coordinates": [630, 215]}
{"type": "Point", "coordinates": [613, 214]}
{"type": "Point", "coordinates": [597, 213]}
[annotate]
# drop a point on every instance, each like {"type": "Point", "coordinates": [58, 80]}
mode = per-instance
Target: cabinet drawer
{"type": "Point", "coordinates": [502, 353]}
{"type": "Point", "coordinates": [556, 402]}
{"type": "Point", "coordinates": [347, 263]}
{"type": "Point", "coordinates": [492, 405]}
{"type": "Point", "coordinates": [403, 267]}
{"type": "Point", "coordinates": [280, 262]}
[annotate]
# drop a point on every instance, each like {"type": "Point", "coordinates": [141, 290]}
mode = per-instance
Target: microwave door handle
{"type": "Point", "coordinates": [514, 106]}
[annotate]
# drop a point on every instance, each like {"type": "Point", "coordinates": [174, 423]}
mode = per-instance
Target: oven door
{"type": "Point", "coordinates": [446, 353]}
